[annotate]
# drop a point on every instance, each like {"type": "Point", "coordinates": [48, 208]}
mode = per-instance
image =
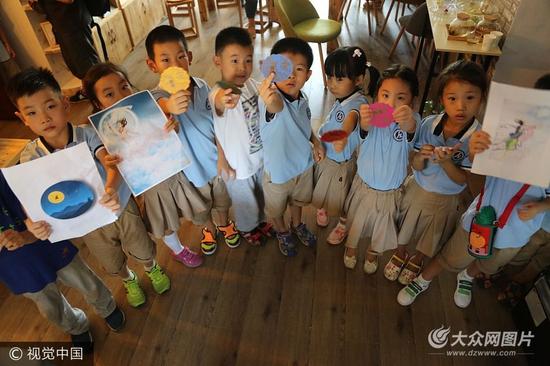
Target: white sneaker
{"type": "Point", "coordinates": [463, 292]}
{"type": "Point", "coordinates": [408, 294]}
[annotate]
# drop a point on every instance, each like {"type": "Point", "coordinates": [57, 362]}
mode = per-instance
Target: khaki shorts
{"type": "Point", "coordinates": [215, 196]}
{"type": "Point", "coordinates": [455, 257]}
{"type": "Point", "coordinates": [536, 253]}
{"type": "Point", "coordinates": [127, 236]}
{"type": "Point", "coordinates": [295, 192]}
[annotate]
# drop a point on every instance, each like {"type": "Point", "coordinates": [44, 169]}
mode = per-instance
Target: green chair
{"type": "Point", "coordinates": [300, 19]}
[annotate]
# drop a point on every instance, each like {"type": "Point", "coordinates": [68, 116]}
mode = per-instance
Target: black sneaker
{"type": "Point", "coordinates": [116, 320]}
{"type": "Point", "coordinates": [78, 97]}
{"type": "Point", "coordinates": [84, 341]}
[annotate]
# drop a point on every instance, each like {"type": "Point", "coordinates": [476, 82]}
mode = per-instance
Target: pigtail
{"type": "Point", "coordinates": [374, 77]}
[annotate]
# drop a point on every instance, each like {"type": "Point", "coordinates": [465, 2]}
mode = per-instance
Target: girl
{"type": "Point", "coordinates": [105, 84]}
{"type": "Point", "coordinates": [430, 207]}
{"type": "Point", "coordinates": [373, 201]}
{"type": "Point", "coordinates": [345, 69]}
{"type": "Point", "coordinates": [518, 211]}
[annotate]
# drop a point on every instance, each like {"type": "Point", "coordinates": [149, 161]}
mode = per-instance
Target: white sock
{"type": "Point", "coordinates": [465, 276]}
{"type": "Point", "coordinates": [131, 277]}
{"type": "Point", "coordinates": [173, 242]}
{"type": "Point", "coordinates": [423, 282]}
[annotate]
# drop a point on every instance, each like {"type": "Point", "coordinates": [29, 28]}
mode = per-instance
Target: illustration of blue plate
{"type": "Point", "coordinates": [280, 64]}
{"type": "Point", "coordinates": [67, 199]}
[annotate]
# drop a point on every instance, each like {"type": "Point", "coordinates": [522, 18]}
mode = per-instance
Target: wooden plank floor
{"type": "Point", "coordinates": [252, 306]}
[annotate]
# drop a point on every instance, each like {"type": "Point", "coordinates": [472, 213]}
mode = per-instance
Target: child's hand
{"type": "Point", "coordinates": [172, 125]}
{"type": "Point", "coordinates": [479, 142]}
{"type": "Point", "coordinates": [178, 102]}
{"type": "Point", "coordinates": [340, 144]}
{"type": "Point", "coordinates": [404, 117]}
{"type": "Point", "coordinates": [12, 240]}
{"type": "Point", "coordinates": [268, 89]}
{"type": "Point", "coordinates": [110, 199]}
{"type": "Point", "coordinates": [228, 99]}
{"type": "Point", "coordinates": [426, 152]}
{"type": "Point", "coordinates": [318, 151]}
{"type": "Point", "coordinates": [366, 116]}
{"type": "Point", "coordinates": [225, 171]}
{"type": "Point", "coordinates": [443, 154]}
{"type": "Point", "coordinates": [111, 161]}
{"type": "Point", "coordinates": [40, 229]}
{"type": "Point", "coordinates": [529, 210]}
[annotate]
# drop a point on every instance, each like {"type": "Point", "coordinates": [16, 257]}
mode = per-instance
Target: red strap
{"type": "Point", "coordinates": [503, 219]}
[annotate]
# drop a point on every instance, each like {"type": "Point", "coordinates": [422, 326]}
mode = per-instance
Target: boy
{"type": "Point", "coordinates": [285, 129]}
{"type": "Point", "coordinates": [237, 129]}
{"type": "Point", "coordinates": [41, 106]}
{"type": "Point", "coordinates": [31, 267]}
{"type": "Point", "coordinates": [166, 47]}
{"type": "Point", "coordinates": [526, 213]}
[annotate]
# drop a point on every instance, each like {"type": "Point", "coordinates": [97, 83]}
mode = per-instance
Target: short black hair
{"type": "Point", "coordinates": [232, 35]}
{"type": "Point", "coordinates": [294, 45]}
{"type": "Point", "coordinates": [29, 82]}
{"type": "Point", "coordinates": [466, 71]}
{"type": "Point", "coordinates": [543, 82]}
{"type": "Point", "coordinates": [403, 73]}
{"type": "Point", "coordinates": [95, 73]}
{"type": "Point", "coordinates": [163, 34]}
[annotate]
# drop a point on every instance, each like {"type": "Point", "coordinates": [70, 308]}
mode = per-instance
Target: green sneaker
{"type": "Point", "coordinates": [134, 293]}
{"type": "Point", "coordinates": [159, 279]}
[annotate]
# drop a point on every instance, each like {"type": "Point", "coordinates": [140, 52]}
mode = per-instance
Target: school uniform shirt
{"type": "Point", "coordinates": [77, 134]}
{"type": "Point", "coordinates": [433, 178]}
{"type": "Point", "coordinates": [286, 137]}
{"type": "Point", "coordinates": [33, 266]}
{"type": "Point", "coordinates": [384, 156]}
{"type": "Point", "coordinates": [498, 193]}
{"type": "Point", "coordinates": [238, 131]}
{"type": "Point", "coordinates": [335, 120]}
{"type": "Point", "coordinates": [196, 133]}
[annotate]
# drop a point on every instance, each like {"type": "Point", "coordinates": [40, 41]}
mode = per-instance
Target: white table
{"type": "Point", "coordinates": [443, 45]}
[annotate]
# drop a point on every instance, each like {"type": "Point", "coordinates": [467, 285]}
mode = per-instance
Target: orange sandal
{"type": "Point", "coordinates": [230, 234]}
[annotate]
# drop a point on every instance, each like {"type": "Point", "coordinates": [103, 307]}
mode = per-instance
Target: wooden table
{"type": "Point", "coordinates": [443, 45]}
{"type": "Point", "coordinates": [10, 150]}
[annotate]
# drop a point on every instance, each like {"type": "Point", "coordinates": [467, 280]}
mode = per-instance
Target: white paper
{"type": "Point", "coordinates": [133, 128]}
{"type": "Point", "coordinates": [518, 121]}
{"type": "Point", "coordinates": [77, 196]}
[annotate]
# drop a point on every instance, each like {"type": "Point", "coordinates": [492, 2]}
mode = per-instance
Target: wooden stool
{"type": "Point", "coordinates": [264, 13]}
{"type": "Point", "coordinates": [183, 8]}
{"type": "Point", "coordinates": [229, 3]}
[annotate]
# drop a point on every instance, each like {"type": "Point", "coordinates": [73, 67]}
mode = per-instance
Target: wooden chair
{"type": "Point", "coordinates": [403, 4]}
{"type": "Point", "coordinates": [417, 24]}
{"type": "Point", "coordinates": [264, 16]}
{"type": "Point", "coordinates": [300, 19]}
{"type": "Point", "coordinates": [343, 14]}
{"type": "Point", "coordinates": [232, 3]}
{"type": "Point", "coordinates": [183, 8]}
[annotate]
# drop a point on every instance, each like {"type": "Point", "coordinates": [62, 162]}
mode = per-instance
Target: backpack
{"type": "Point", "coordinates": [97, 8]}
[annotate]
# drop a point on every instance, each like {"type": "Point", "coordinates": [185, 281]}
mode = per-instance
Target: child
{"type": "Point", "coordinates": [41, 106]}
{"type": "Point", "coordinates": [345, 69]}
{"type": "Point", "coordinates": [237, 129]}
{"type": "Point", "coordinates": [430, 206]}
{"type": "Point", "coordinates": [520, 211]}
{"type": "Point", "coordinates": [105, 84]}
{"type": "Point", "coordinates": [286, 133]}
{"type": "Point", "coordinates": [374, 197]}
{"type": "Point", "coordinates": [166, 46]}
{"type": "Point", "coordinates": [31, 267]}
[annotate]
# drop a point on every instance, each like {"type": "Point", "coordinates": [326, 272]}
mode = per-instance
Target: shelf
{"type": "Point", "coordinates": [52, 50]}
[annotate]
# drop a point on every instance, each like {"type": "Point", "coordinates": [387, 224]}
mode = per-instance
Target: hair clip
{"type": "Point", "coordinates": [368, 64]}
{"type": "Point", "coordinates": [357, 53]}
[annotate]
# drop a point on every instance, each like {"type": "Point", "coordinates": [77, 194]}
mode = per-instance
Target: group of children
{"type": "Point", "coordinates": [253, 149]}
